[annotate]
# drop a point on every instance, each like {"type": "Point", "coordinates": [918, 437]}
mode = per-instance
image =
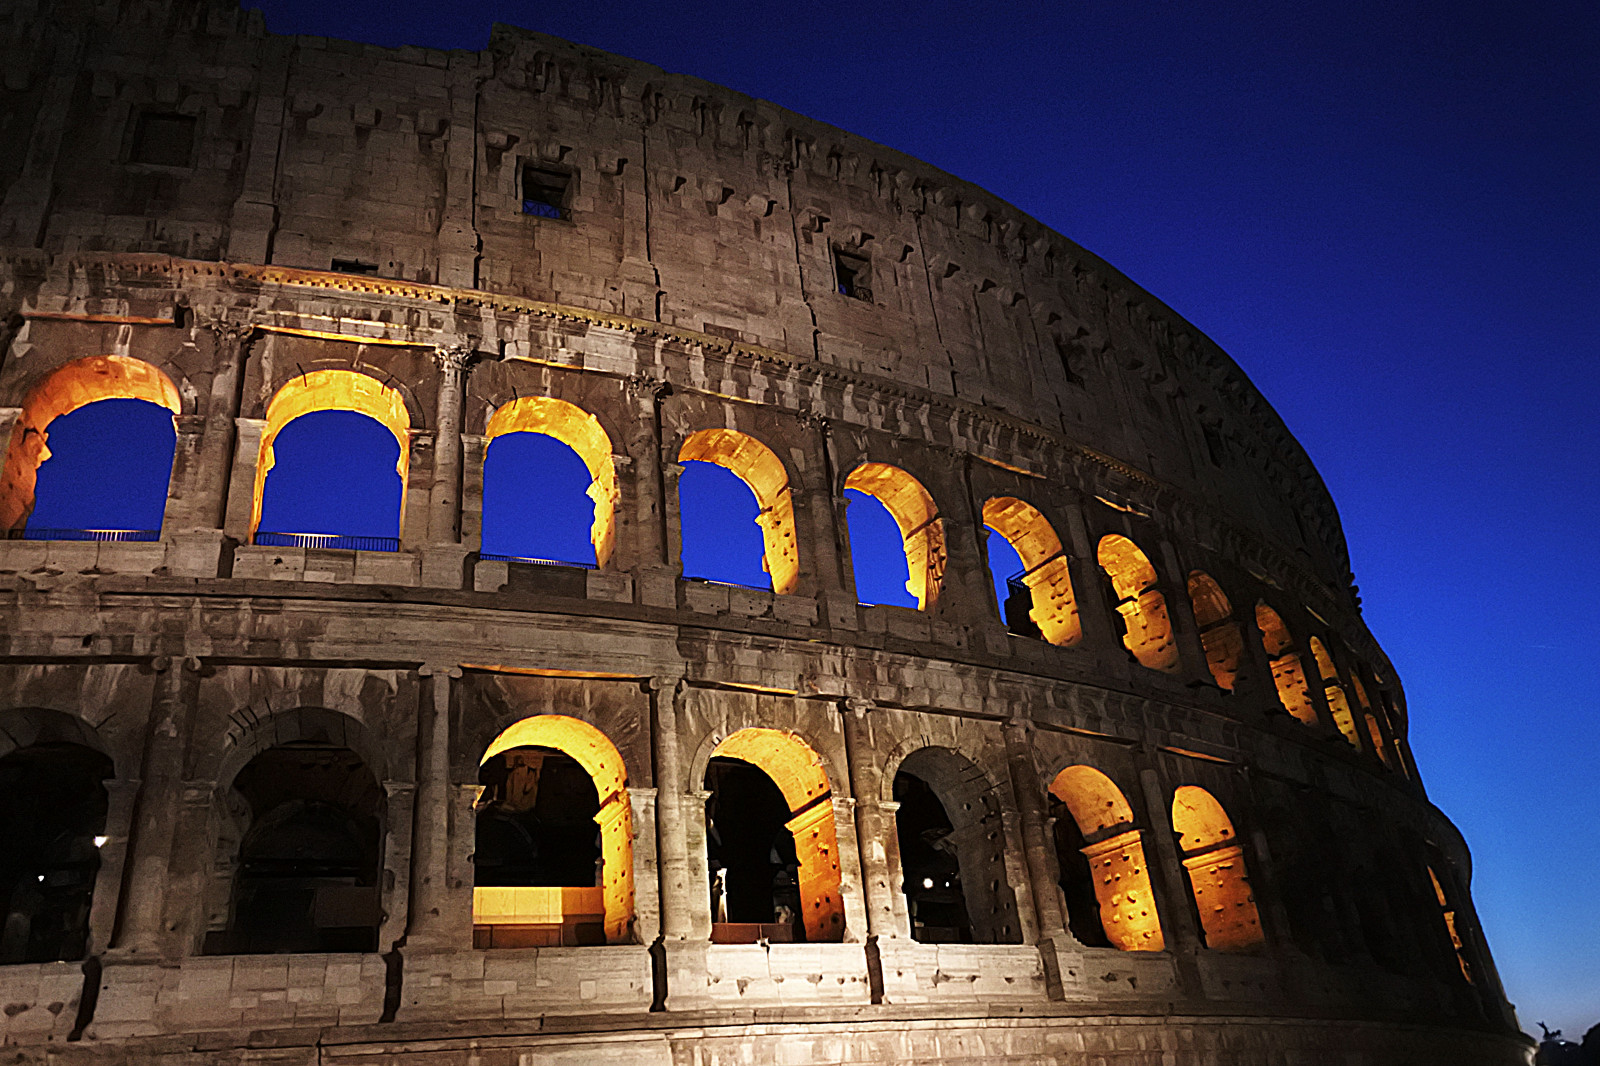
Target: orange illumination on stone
{"type": "Point", "coordinates": [798, 772]}
{"type": "Point", "coordinates": [1287, 674]}
{"type": "Point", "coordinates": [921, 528]}
{"type": "Point", "coordinates": [582, 432]}
{"type": "Point", "coordinates": [334, 390]}
{"type": "Point", "coordinates": [755, 464]}
{"type": "Point", "coordinates": [1215, 863]}
{"type": "Point", "coordinates": [593, 751]}
{"type": "Point", "coordinates": [1449, 914]}
{"type": "Point", "coordinates": [1055, 609]}
{"type": "Point", "coordinates": [1115, 851]}
{"type": "Point", "coordinates": [1338, 704]}
{"type": "Point", "coordinates": [1219, 634]}
{"type": "Point", "coordinates": [1147, 629]}
{"type": "Point", "coordinates": [77, 384]}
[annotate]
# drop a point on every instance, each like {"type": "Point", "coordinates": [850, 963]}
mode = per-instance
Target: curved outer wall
{"type": "Point", "coordinates": [693, 284]}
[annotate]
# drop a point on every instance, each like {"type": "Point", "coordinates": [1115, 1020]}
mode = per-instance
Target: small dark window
{"type": "Point", "coordinates": [544, 192]}
{"type": "Point", "coordinates": [1215, 444]}
{"type": "Point", "coordinates": [163, 140]}
{"type": "Point", "coordinates": [1064, 350]}
{"type": "Point", "coordinates": [353, 266]}
{"type": "Point", "coordinates": [855, 275]}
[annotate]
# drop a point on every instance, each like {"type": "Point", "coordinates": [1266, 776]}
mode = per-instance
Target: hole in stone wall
{"type": "Point", "coordinates": [1037, 599]}
{"type": "Point", "coordinates": [719, 520]}
{"type": "Point", "coordinates": [853, 275]}
{"type": "Point", "coordinates": [1214, 863]}
{"type": "Point", "coordinates": [1146, 629]}
{"type": "Point", "coordinates": [332, 484]}
{"type": "Point", "coordinates": [1338, 705]}
{"type": "Point", "coordinates": [1219, 635]}
{"type": "Point", "coordinates": [536, 501]}
{"type": "Point", "coordinates": [545, 191]}
{"type": "Point", "coordinates": [582, 433]}
{"type": "Point", "coordinates": [163, 139]}
{"type": "Point", "coordinates": [52, 812]}
{"type": "Point", "coordinates": [754, 868]}
{"type": "Point", "coordinates": [1294, 693]}
{"type": "Point", "coordinates": [537, 828]}
{"type": "Point", "coordinates": [931, 868]}
{"type": "Point", "coordinates": [107, 473]}
{"type": "Point", "coordinates": [308, 869]}
{"type": "Point", "coordinates": [1104, 876]}
{"type": "Point", "coordinates": [920, 537]}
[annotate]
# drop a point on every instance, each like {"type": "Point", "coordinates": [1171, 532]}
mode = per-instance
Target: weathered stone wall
{"type": "Point", "coordinates": [691, 285]}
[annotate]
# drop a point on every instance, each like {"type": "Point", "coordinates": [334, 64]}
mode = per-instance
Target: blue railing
{"type": "Point", "coordinates": [340, 541]}
{"type": "Point", "coordinates": [491, 557]}
{"type": "Point", "coordinates": [33, 533]}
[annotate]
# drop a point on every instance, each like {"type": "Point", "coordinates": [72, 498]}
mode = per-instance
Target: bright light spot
{"type": "Point", "coordinates": [100, 842]}
{"type": "Point", "coordinates": [927, 882]}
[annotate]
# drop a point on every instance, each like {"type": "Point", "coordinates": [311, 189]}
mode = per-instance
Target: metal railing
{"type": "Point", "coordinates": [339, 541]}
{"type": "Point", "coordinates": [110, 535]}
{"type": "Point", "coordinates": [492, 557]}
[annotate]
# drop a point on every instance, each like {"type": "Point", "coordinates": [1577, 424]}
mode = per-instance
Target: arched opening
{"type": "Point", "coordinates": [1374, 731]}
{"type": "Point", "coordinates": [1219, 634]}
{"type": "Point", "coordinates": [553, 861]}
{"type": "Point", "coordinates": [105, 475]}
{"type": "Point", "coordinates": [1104, 876]}
{"type": "Point", "coordinates": [707, 551]}
{"type": "Point", "coordinates": [921, 533]}
{"type": "Point", "coordinates": [328, 476]}
{"type": "Point", "coordinates": [518, 476]}
{"type": "Point", "coordinates": [52, 814]}
{"type": "Point", "coordinates": [1214, 862]}
{"type": "Point", "coordinates": [1447, 911]}
{"type": "Point", "coordinates": [1038, 600]}
{"type": "Point", "coordinates": [1287, 674]}
{"type": "Point", "coordinates": [952, 852]}
{"type": "Point", "coordinates": [1146, 629]}
{"type": "Point", "coordinates": [771, 844]}
{"type": "Point", "coordinates": [1338, 705]}
{"type": "Point", "coordinates": [309, 863]}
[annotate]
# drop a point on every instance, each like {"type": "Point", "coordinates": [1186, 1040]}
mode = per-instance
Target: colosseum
{"type": "Point", "coordinates": [275, 797]}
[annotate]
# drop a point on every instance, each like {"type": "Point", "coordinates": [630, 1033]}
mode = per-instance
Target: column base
{"type": "Point", "coordinates": [199, 553]}
{"type": "Point", "coordinates": [444, 566]}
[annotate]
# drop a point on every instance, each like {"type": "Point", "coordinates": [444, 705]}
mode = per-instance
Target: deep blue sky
{"type": "Point", "coordinates": [1387, 213]}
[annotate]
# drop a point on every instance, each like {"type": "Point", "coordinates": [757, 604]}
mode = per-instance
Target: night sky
{"type": "Point", "coordinates": [1386, 213]}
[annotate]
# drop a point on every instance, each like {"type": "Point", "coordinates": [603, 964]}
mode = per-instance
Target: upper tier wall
{"type": "Point", "coordinates": [687, 204]}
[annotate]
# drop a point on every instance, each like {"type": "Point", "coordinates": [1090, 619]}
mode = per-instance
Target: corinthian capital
{"type": "Point", "coordinates": [455, 357]}
{"type": "Point", "coordinates": [229, 332]}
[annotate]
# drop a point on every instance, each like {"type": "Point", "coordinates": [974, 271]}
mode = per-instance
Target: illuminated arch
{"type": "Point", "coordinates": [1379, 745]}
{"type": "Point", "coordinates": [798, 772]}
{"type": "Point", "coordinates": [1147, 629]}
{"type": "Point", "coordinates": [1045, 572]}
{"type": "Point", "coordinates": [1338, 705]}
{"type": "Point", "coordinates": [77, 384]}
{"type": "Point", "coordinates": [1114, 848]}
{"type": "Point", "coordinates": [1287, 673]}
{"type": "Point", "coordinates": [755, 464]}
{"type": "Point", "coordinates": [1217, 877]}
{"type": "Point", "coordinates": [921, 528]}
{"type": "Point", "coordinates": [1219, 634]}
{"type": "Point", "coordinates": [593, 751]}
{"type": "Point", "coordinates": [334, 390]}
{"type": "Point", "coordinates": [582, 432]}
{"type": "Point", "coordinates": [1447, 911]}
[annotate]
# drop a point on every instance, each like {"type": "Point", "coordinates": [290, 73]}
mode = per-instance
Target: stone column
{"type": "Point", "coordinates": [143, 932]}
{"type": "Point", "coordinates": [1174, 902]}
{"type": "Point", "coordinates": [443, 555]}
{"type": "Point", "coordinates": [230, 350]}
{"type": "Point", "coordinates": [877, 889]}
{"type": "Point", "coordinates": [1192, 665]}
{"type": "Point", "coordinates": [672, 838]}
{"type": "Point", "coordinates": [429, 926]}
{"type": "Point", "coordinates": [1035, 845]}
{"type": "Point", "coordinates": [645, 547]}
{"type": "Point", "coordinates": [121, 794]}
{"type": "Point", "coordinates": [241, 506]}
{"type": "Point", "coordinates": [1089, 589]}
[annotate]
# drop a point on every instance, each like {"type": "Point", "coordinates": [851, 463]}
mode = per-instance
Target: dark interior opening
{"type": "Point", "coordinates": [536, 822]}
{"type": "Point", "coordinates": [544, 191]}
{"type": "Point", "coordinates": [754, 871]}
{"type": "Point", "coordinates": [308, 873]}
{"type": "Point", "coordinates": [52, 807]}
{"type": "Point", "coordinates": [928, 859]}
{"type": "Point", "coordinates": [1077, 879]}
{"type": "Point", "coordinates": [163, 139]}
{"type": "Point", "coordinates": [855, 275]}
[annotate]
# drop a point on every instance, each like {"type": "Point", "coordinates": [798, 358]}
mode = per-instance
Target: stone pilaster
{"type": "Point", "coordinates": [429, 927]}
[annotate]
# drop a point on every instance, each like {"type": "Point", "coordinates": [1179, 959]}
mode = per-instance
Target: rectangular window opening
{"type": "Point", "coordinates": [165, 140]}
{"type": "Point", "coordinates": [855, 275]}
{"type": "Point", "coordinates": [353, 266]}
{"type": "Point", "coordinates": [1064, 350]}
{"type": "Point", "coordinates": [544, 191]}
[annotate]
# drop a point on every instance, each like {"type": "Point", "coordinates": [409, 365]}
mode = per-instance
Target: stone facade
{"type": "Point", "coordinates": [244, 227]}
